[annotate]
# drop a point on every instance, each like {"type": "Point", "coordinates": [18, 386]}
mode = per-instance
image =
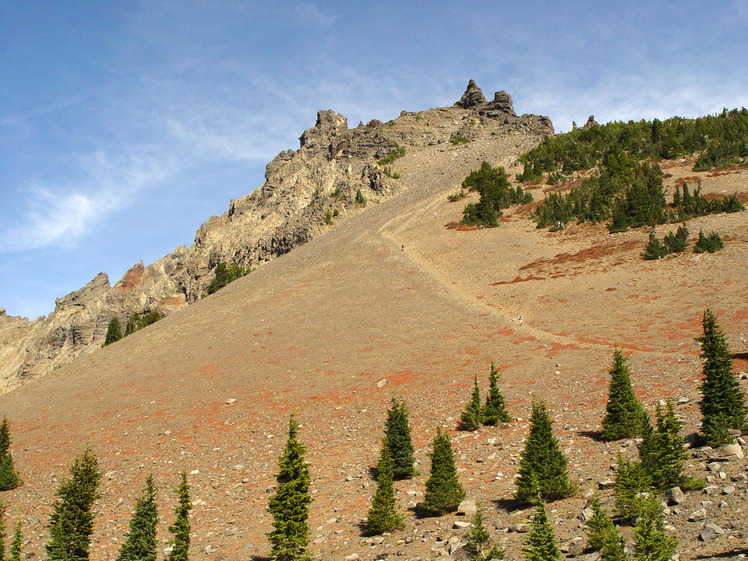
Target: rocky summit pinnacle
{"type": "Point", "coordinates": [472, 97]}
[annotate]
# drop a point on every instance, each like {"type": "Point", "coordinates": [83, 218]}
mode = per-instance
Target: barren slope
{"type": "Point", "coordinates": [397, 295]}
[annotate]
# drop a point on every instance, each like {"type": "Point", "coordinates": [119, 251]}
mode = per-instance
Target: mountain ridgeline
{"type": "Point", "coordinates": [334, 174]}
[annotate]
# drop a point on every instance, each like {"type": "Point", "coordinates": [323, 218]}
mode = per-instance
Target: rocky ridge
{"type": "Point", "coordinates": [305, 192]}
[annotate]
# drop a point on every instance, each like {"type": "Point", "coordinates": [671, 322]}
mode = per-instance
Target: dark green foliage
{"type": "Point", "coordinates": [541, 543]}
{"type": "Point", "coordinates": [290, 504]}
{"type": "Point", "coordinates": [16, 545]}
{"type": "Point", "coordinates": [675, 243]}
{"type": "Point", "coordinates": [113, 331]}
{"type": "Point", "coordinates": [624, 415]}
{"type": "Point", "coordinates": [495, 193]}
{"type": "Point", "coordinates": [494, 411]}
{"type": "Point", "coordinates": [625, 188]}
{"type": "Point", "coordinates": [672, 243]}
{"type": "Point", "coordinates": [722, 403]}
{"type": "Point", "coordinates": [389, 173]}
{"type": "Point", "coordinates": [631, 481]}
{"type": "Point", "coordinates": [180, 542]}
{"type": "Point", "coordinates": [383, 515]}
{"type": "Point", "coordinates": [443, 490]}
{"type": "Point", "coordinates": [654, 249]}
{"type": "Point", "coordinates": [471, 415]}
{"type": "Point", "coordinates": [360, 199]}
{"type": "Point", "coordinates": [689, 205]}
{"type": "Point", "coordinates": [479, 542]}
{"type": "Point", "coordinates": [652, 543]}
{"type": "Point", "coordinates": [543, 467]}
{"type": "Point", "coordinates": [598, 525]}
{"type": "Point", "coordinates": [9, 478]}
{"type": "Point", "coordinates": [459, 139]}
{"type": "Point", "coordinates": [138, 322]}
{"type": "Point", "coordinates": [711, 243]}
{"type": "Point", "coordinates": [661, 451]}
{"type": "Point", "coordinates": [71, 522]}
{"type": "Point", "coordinates": [224, 275]}
{"type": "Point", "coordinates": [399, 441]}
{"type": "Point", "coordinates": [454, 197]}
{"type": "Point", "coordinates": [140, 542]}
{"type": "Point", "coordinates": [392, 155]}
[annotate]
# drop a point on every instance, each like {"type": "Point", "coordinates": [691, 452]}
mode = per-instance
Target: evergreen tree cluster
{"type": "Point", "coordinates": [625, 189]}
{"type": "Point", "coordinates": [71, 522]}
{"type": "Point", "coordinates": [136, 322]}
{"type": "Point", "coordinates": [492, 412]}
{"type": "Point", "coordinates": [496, 193]}
{"type": "Point", "coordinates": [708, 243]}
{"type": "Point", "coordinates": [671, 243]}
{"type": "Point", "coordinates": [686, 205]}
{"type": "Point", "coordinates": [719, 140]}
{"type": "Point", "coordinates": [9, 477]}
{"type": "Point", "coordinates": [624, 414]}
{"type": "Point", "coordinates": [225, 274]}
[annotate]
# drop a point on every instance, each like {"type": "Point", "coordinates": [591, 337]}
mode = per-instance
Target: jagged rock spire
{"type": "Point", "coordinates": [473, 96]}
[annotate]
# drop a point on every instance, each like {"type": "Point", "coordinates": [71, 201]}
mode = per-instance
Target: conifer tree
{"type": "Point", "coordinates": [479, 542]}
{"type": "Point", "coordinates": [140, 543]}
{"type": "Point", "coordinates": [9, 478]}
{"type": "Point", "coordinates": [598, 525]}
{"type": "Point", "coordinates": [494, 410]}
{"type": "Point", "coordinates": [17, 544]}
{"type": "Point", "coordinates": [652, 543]}
{"type": "Point", "coordinates": [71, 522]}
{"type": "Point", "coordinates": [399, 441]}
{"type": "Point", "coordinates": [383, 515]}
{"type": "Point", "coordinates": [180, 543]}
{"type": "Point", "coordinates": [624, 414]}
{"type": "Point", "coordinates": [113, 331]}
{"type": "Point", "coordinates": [662, 453]}
{"type": "Point", "coordinates": [613, 547]}
{"type": "Point", "coordinates": [630, 482]}
{"type": "Point", "coordinates": [290, 504]}
{"type": "Point", "coordinates": [443, 490]}
{"type": "Point", "coordinates": [541, 544]}
{"type": "Point", "coordinates": [471, 415]}
{"type": "Point", "coordinates": [542, 462]}
{"type": "Point", "coordinates": [723, 403]}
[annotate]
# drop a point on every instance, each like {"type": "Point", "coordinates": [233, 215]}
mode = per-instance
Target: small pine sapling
{"type": "Point", "coordinates": [723, 403]}
{"type": "Point", "coordinates": [494, 410]}
{"type": "Point", "coordinates": [541, 544]}
{"type": "Point", "coordinates": [399, 441]}
{"type": "Point", "coordinates": [631, 481]}
{"type": "Point", "coordinates": [290, 504]}
{"type": "Point", "coordinates": [479, 542]}
{"type": "Point", "coordinates": [443, 490]}
{"type": "Point", "coordinates": [16, 546]}
{"type": "Point", "coordinates": [140, 541]}
{"type": "Point", "coordinates": [543, 466]}
{"type": "Point", "coordinates": [383, 516]}
{"type": "Point", "coordinates": [180, 530]}
{"type": "Point", "coordinates": [624, 414]}
{"type": "Point", "coordinates": [652, 542]}
{"type": "Point", "coordinates": [471, 415]}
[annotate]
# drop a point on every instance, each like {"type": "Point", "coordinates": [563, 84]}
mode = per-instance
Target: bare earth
{"type": "Point", "coordinates": [397, 294]}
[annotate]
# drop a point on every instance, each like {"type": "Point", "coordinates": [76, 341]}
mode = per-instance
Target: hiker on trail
{"type": "Point", "coordinates": [519, 319]}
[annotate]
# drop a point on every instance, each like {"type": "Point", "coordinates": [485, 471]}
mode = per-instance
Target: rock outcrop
{"type": "Point", "coordinates": [305, 192]}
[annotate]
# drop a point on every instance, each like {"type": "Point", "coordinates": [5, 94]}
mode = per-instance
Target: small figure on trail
{"type": "Point", "coordinates": [519, 319]}
{"type": "Point", "coordinates": [403, 248]}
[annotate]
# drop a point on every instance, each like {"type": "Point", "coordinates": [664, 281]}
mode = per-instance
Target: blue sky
{"type": "Point", "coordinates": [125, 125]}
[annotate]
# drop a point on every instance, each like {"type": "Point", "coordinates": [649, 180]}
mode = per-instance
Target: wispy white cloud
{"type": "Point", "coordinates": [58, 215]}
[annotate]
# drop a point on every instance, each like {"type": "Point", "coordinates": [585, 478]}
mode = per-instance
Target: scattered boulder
{"type": "Point", "coordinates": [675, 496]}
{"type": "Point", "coordinates": [467, 508]}
{"type": "Point", "coordinates": [710, 531]}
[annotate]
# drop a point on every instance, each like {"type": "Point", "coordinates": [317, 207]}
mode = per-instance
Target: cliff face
{"type": "Point", "coordinates": [305, 192]}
